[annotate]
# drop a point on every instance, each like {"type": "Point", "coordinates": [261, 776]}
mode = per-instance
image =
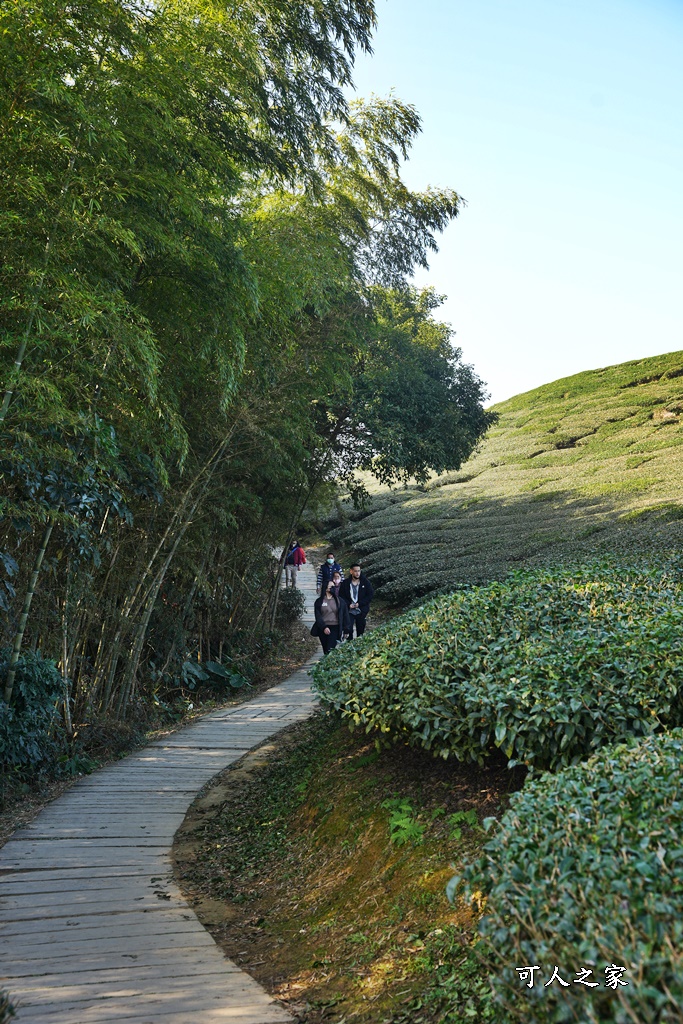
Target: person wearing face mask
{"type": "Point", "coordinates": [327, 571]}
{"type": "Point", "coordinates": [332, 619]}
{"type": "Point", "coordinates": [357, 591]}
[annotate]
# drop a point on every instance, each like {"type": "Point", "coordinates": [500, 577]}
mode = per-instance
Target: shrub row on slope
{"type": "Point", "coordinates": [586, 872]}
{"type": "Point", "coordinates": [581, 467]}
{"type": "Point", "coordinates": [548, 666]}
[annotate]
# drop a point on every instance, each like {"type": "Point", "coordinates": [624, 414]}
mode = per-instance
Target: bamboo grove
{"type": "Point", "coordinates": [206, 317]}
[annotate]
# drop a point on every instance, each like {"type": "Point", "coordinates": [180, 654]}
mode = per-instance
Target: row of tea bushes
{"type": "Point", "coordinates": [585, 874]}
{"type": "Point", "coordinates": [548, 666]}
{"type": "Point", "coordinates": [582, 882]}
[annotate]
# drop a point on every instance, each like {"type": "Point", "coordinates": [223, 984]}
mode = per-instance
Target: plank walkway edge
{"type": "Point", "coordinates": [138, 954]}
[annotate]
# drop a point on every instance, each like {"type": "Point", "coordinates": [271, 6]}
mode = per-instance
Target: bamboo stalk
{"type": "Point", "coordinates": [23, 619]}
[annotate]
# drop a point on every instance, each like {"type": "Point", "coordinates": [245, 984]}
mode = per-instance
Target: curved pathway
{"type": "Point", "coordinates": [93, 929]}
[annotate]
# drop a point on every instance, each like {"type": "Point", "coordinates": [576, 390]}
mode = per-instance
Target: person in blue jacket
{"type": "Point", "coordinates": [327, 571]}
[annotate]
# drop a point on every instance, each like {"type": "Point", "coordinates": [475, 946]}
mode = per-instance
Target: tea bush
{"type": "Point", "coordinates": [27, 727]}
{"type": "Point", "coordinates": [548, 666]}
{"type": "Point", "coordinates": [586, 871]}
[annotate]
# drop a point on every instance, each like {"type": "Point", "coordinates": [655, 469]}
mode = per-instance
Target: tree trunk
{"type": "Point", "coordinates": [153, 591]}
{"type": "Point", "coordinates": [65, 660]}
{"type": "Point", "coordinates": [21, 629]}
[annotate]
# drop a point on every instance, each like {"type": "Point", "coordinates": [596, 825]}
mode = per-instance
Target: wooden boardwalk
{"type": "Point", "coordinates": [93, 929]}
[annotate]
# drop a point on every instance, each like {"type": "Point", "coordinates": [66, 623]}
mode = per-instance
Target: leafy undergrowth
{"type": "Point", "coordinates": [320, 864]}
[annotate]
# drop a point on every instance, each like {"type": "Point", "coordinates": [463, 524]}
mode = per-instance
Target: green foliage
{"type": "Point", "coordinates": [416, 407]}
{"type": "Point", "coordinates": [404, 827]}
{"type": "Point", "coordinates": [586, 870]}
{"type": "Point", "coordinates": [7, 1011]}
{"type": "Point", "coordinates": [224, 675]}
{"type": "Point", "coordinates": [29, 728]}
{"type": "Point", "coordinates": [76, 764]}
{"type": "Point", "coordinates": [205, 320]}
{"type": "Point", "coordinates": [212, 674]}
{"type": "Point", "coordinates": [459, 992]}
{"type": "Point", "coordinates": [290, 607]}
{"type": "Point", "coordinates": [547, 667]}
{"type": "Point", "coordinates": [456, 821]}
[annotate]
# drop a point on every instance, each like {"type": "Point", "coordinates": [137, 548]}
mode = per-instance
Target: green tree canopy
{"type": "Point", "coordinates": [206, 317]}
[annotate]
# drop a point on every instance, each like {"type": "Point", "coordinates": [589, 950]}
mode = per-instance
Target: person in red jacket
{"type": "Point", "coordinates": [296, 557]}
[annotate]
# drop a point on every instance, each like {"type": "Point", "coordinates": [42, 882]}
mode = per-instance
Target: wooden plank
{"type": "Point", "coordinates": [51, 875]}
{"type": "Point", "coordinates": [111, 818]}
{"type": "Point", "coordinates": [109, 901]}
{"type": "Point", "coordinates": [187, 958]}
{"type": "Point", "coordinates": [112, 948]}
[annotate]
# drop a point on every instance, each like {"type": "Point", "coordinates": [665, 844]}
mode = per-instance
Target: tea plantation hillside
{"type": "Point", "coordinates": [586, 465]}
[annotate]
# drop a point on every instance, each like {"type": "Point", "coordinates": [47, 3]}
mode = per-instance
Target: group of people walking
{"type": "Point", "coordinates": [342, 605]}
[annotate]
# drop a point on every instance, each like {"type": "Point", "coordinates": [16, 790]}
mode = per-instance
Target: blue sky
{"type": "Point", "coordinates": [560, 124]}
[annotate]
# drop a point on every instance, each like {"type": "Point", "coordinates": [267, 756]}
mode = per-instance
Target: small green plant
{"type": "Point", "coordinates": [365, 759]}
{"type": "Point", "coordinates": [290, 607]}
{"type": "Point", "coordinates": [7, 1011]}
{"type": "Point", "coordinates": [77, 764]}
{"type": "Point", "coordinates": [194, 675]}
{"type": "Point", "coordinates": [460, 818]}
{"type": "Point", "coordinates": [403, 826]}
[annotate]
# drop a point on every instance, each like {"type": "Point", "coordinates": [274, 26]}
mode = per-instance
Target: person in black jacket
{"type": "Point", "coordinates": [332, 619]}
{"type": "Point", "coordinates": [358, 593]}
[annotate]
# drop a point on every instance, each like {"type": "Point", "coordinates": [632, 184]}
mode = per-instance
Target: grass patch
{"type": "Point", "coordinates": [320, 865]}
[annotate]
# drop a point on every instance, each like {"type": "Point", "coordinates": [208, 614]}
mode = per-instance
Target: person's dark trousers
{"type": "Point", "coordinates": [330, 640]}
{"type": "Point", "coordinates": [359, 621]}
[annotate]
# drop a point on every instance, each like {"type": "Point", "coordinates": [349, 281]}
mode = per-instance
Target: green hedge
{"type": "Point", "coordinates": [586, 871]}
{"type": "Point", "coordinates": [548, 666]}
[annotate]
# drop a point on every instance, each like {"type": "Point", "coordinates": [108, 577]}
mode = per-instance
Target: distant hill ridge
{"type": "Point", "coordinates": [583, 466]}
